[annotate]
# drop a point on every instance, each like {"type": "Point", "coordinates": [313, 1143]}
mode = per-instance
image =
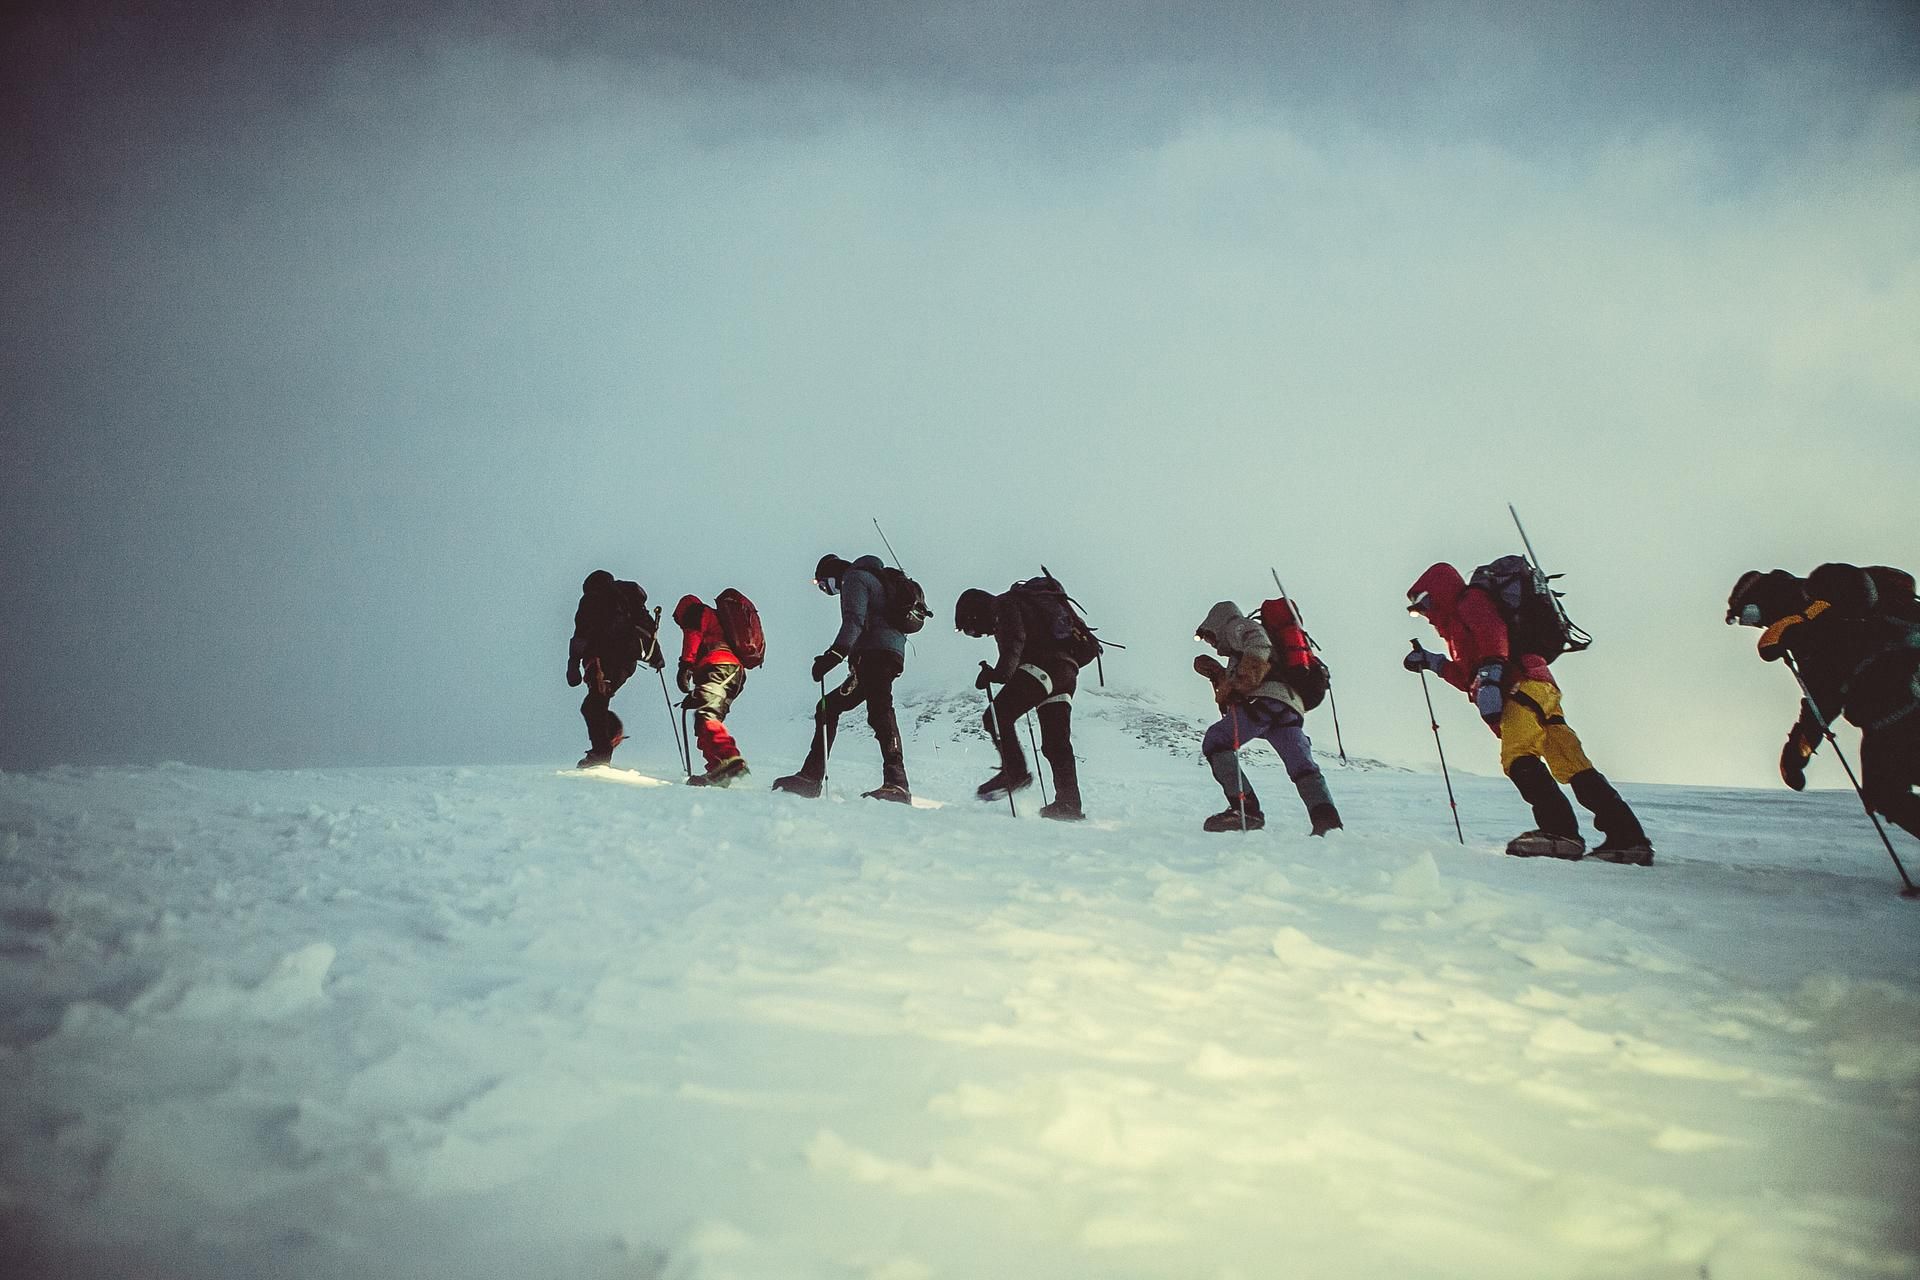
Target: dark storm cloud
{"type": "Point", "coordinates": [91, 90]}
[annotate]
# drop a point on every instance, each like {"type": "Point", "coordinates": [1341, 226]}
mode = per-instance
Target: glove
{"type": "Point", "coordinates": [825, 663]}
{"type": "Point", "coordinates": [1793, 762]}
{"type": "Point", "coordinates": [573, 673]}
{"type": "Point", "coordinates": [1209, 666]}
{"type": "Point", "coordinates": [1772, 644]}
{"type": "Point", "coordinates": [684, 677]}
{"type": "Point", "coordinates": [1419, 659]}
{"type": "Point", "coordinates": [985, 679]}
{"type": "Point", "coordinates": [1488, 699]}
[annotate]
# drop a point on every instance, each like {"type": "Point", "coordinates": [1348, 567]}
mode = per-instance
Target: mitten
{"type": "Point", "coordinates": [1793, 764]}
{"type": "Point", "coordinates": [825, 663]}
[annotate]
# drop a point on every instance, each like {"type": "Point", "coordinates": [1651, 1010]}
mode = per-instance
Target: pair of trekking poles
{"type": "Point", "coordinates": [993, 719]}
{"type": "Point", "coordinates": [682, 734]}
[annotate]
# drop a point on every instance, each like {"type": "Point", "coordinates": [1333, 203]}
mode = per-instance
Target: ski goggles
{"type": "Point", "coordinates": [1747, 615]}
{"type": "Point", "coordinates": [1420, 603]}
{"type": "Point", "coordinates": [828, 586]}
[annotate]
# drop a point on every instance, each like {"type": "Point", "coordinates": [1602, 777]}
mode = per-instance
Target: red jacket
{"type": "Point", "coordinates": [706, 643]}
{"type": "Point", "coordinates": [1473, 629]}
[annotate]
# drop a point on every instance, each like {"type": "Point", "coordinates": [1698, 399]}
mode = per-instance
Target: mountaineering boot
{"type": "Point", "coordinates": [890, 791]}
{"type": "Point", "coordinates": [1623, 838]}
{"type": "Point", "coordinates": [720, 775]}
{"type": "Point", "coordinates": [1325, 818]}
{"type": "Point", "coordinates": [1545, 844]}
{"type": "Point", "coordinates": [1632, 853]}
{"type": "Point", "coordinates": [1228, 819]}
{"type": "Point", "coordinates": [1065, 806]}
{"type": "Point", "coordinates": [1003, 783]}
{"type": "Point", "coordinates": [593, 760]}
{"type": "Point", "coordinates": [1552, 814]}
{"type": "Point", "coordinates": [798, 784]}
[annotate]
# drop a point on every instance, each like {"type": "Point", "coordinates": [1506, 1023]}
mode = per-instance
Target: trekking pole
{"type": "Point", "coordinates": [1239, 777]}
{"type": "Point", "coordinates": [1434, 723]}
{"type": "Point", "coordinates": [1911, 890]}
{"type": "Point", "coordinates": [993, 731]}
{"type": "Point", "coordinates": [673, 726]}
{"type": "Point", "coordinates": [1036, 758]}
{"type": "Point", "coordinates": [820, 731]}
{"type": "Point", "coordinates": [686, 731]}
{"type": "Point", "coordinates": [1333, 703]}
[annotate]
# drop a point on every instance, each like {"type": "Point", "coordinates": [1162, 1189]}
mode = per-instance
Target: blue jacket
{"type": "Point", "coordinates": [863, 612]}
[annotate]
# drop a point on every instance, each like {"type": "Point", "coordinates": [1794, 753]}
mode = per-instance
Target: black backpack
{"type": "Point", "coordinates": [1875, 591]}
{"type": "Point", "coordinates": [625, 626]}
{"type": "Point", "coordinates": [1059, 614]}
{"type": "Point", "coordinates": [904, 603]}
{"type": "Point", "coordinates": [1527, 602]}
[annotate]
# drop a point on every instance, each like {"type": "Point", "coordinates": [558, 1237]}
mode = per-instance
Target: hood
{"type": "Point", "coordinates": [1443, 585]}
{"type": "Point", "coordinates": [1218, 619]}
{"type": "Point", "coordinates": [687, 612]}
{"type": "Point", "coordinates": [598, 581]}
{"type": "Point", "coordinates": [1777, 593]}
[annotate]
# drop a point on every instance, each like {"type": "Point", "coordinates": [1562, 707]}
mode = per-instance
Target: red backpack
{"type": "Point", "coordinates": [740, 624]}
{"type": "Point", "coordinates": [1293, 656]}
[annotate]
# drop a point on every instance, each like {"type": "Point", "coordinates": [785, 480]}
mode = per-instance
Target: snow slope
{"type": "Point", "coordinates": [531, 1022]}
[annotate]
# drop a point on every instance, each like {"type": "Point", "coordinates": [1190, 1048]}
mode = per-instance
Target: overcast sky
{"type": "Point", "coordinates": [341, 341]}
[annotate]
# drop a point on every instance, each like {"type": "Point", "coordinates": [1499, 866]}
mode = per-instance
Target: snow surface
{"type": "Point", "coordinates": [533, 1022]}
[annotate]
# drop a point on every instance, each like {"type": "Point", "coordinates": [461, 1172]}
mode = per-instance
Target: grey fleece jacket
{"type": "Point", "coordinates": [1239, 638]}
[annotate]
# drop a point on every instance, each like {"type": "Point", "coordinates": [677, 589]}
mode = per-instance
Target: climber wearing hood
{"type": "Point", "coordinates": [1254, 705]}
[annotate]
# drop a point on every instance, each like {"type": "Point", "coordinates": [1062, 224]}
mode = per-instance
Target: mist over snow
{"type": "Point", "coordinates": [511, 1021]}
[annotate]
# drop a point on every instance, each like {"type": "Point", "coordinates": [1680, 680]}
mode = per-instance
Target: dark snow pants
{"type": "Point", "coordinates": [870, 677]}
{"type": "Point", "coordinates": [1890, 770]}
{"type": "Point", "coordinates": [1046, 687]}
{"type": "Point", "coordinates": [604, 676]}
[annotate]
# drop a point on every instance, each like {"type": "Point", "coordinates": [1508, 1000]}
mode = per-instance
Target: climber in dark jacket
{"type": "Point", "coordinates": [1033, 674]}
{"type": "Point", "coordinates": [612, 634]}
{"type": "Point", "coordinates": [876, 654]}
{"type": "Point", "coordinates": [1853, 635]}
